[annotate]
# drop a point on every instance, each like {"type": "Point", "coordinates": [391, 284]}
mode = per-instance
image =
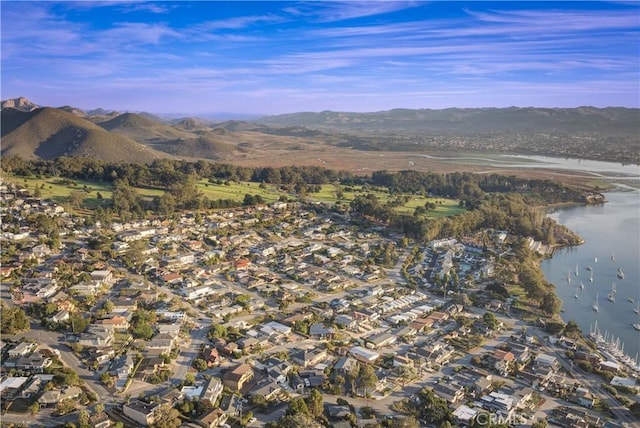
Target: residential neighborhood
{"type": "Point", "coordinates": [229, 318]}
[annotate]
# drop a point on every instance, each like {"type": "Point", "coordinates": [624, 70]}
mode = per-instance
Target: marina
{"type": "Point", "coordinates": [611, 247]}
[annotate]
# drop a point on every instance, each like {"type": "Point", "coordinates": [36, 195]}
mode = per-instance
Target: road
{"type": "Point", "coordinates": [54, 341]}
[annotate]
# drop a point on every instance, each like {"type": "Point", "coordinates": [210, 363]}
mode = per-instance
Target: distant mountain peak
{"type": "Point", "coordinates": [20, 103]}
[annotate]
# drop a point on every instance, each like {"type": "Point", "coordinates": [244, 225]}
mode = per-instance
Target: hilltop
{"type": "Point", "coordinates": [20, 103]}
{"type": "Point", "coordinates": [47, 133]}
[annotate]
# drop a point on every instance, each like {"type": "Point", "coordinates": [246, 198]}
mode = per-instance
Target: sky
{"type": "Point", "coordinates": [273, 57]}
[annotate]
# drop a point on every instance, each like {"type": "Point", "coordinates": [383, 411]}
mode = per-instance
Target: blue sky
{"type": "Point", "coordinates": [272, 57]}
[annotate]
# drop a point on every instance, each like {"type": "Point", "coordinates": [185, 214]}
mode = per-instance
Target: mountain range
{"type": "Point", "coordinates": [33, 131]}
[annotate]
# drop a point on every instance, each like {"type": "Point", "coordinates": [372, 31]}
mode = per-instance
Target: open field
{"type": "Point", "coordinates": [444, 207]}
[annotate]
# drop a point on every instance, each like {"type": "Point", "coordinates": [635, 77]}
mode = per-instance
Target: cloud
{"type": "Point", "coordinates": [335, 11]}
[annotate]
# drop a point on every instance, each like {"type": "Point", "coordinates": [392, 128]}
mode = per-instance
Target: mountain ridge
{"type": "Point", "coordinates": [49, 132]}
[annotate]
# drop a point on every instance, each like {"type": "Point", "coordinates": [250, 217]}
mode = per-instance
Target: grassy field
{"type": "Point", "coordinates": [444, 207]}
{"type": "Point", "coordinates": [59, 189]}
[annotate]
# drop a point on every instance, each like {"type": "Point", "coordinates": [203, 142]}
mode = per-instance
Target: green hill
{"type": "Point", "coordinates": [48, 133]}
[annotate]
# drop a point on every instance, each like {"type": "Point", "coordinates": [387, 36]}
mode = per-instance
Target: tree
{"type": "Point", "coordinates": [200, 364]}
{"type": "Point", "coordinates": [367, 378]}
{"type": "Point", "coordinates": [294, 421]}
{"type": "Point", "coordinates": [34, 408]}
{"type": "Point", "coordinates": [540, 423]}
{"type": "Point", "coordinates": [76, 197]}
{"type": "Point", "coordinates": [99, 408]}
{"type": "Point", "coordinates": [78, 323]}
{"type": "Point", "coordinates": [297, 406]}
{"type": "Point", "coordinates": [12, 320]}
{"type": "Point", "coordinates": [189, 379]}
{"type": "Point", "coordinates": [551, 304]}
{"type": "Point", "coordinates": [166, 417]}
{"type": "Point", "coordinates": [84, 420]}
{"type": "Point", "coordinates": [314, 403]}
{"type": "Point", "coordinates": [490, 320]}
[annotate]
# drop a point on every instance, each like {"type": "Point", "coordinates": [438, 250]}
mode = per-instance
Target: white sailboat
{"type": "Point", "coordinates": [591, 277]}
{"type": "Point", "coordinates": [576, 270]}
{"type": "Point", "coordinates": [637, 309]}
{"type": "Point", "coordinates": [581, 285]}
{"type": "Point", "coordinates": [595, 260]}
{"type": "Point", "coordinates": [612, 294]}
{"type": "Point", "coordinates": [620, 273]}
{"type": "Point", "coordinates": [595, 304]}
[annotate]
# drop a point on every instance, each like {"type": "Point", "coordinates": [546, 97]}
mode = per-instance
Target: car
{"type": "Point", "coordinates": [252, 420]}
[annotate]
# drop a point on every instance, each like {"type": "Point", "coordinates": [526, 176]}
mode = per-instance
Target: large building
{"type": "Point", "coordinates": [236, 378]}
{"type": "Point", "coordinates": [141, 412]}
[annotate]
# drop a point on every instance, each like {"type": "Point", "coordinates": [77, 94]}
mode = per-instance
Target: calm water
{"type": "Point", "coordinates": [610, 230]}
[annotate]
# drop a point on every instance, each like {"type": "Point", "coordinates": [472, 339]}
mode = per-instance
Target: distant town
{"type": "Point", "coordinates": [282, 314]}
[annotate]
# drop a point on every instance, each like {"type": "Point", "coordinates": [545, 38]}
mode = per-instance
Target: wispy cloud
{"type": "Point", "coordinates": [335, 11]}
{"type": "Point", "coordinates": [324, 52]}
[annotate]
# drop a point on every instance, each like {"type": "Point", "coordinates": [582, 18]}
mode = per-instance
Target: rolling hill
{"type": "Point", "coordinates": [613, 120]}
{"type": "Point", "coordinates": [49, 132]}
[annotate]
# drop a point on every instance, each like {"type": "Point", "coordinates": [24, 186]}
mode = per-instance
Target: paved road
{"type": "Point", "coordinates": [54, 340]}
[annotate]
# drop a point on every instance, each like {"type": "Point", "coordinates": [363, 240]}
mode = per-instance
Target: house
{"type": "Point", "coordinates": [211, 390]}
{"type": "Point", "coordinates": [236, 379]}
{"type": "Point", "coordinates": [345, 321]}
{"type": "Point", "coordinates": [547, 361]}
{"type": "Point", "coordinates": [584, 397]}
{"type": "Point", "coordinates": [100, 420]}
{"type": "Point", "coordinates": [53, 397]}
{"type": "Point", "coordinates": [21, 349]}
{"type": "Point", "coordinates": [503, 361]}
{"type": "Point", "coordinates": [102, 277]}
{"type": "Point", "coordinates": [115, 323]}
{"type": "Point", "coordinates": [318, 331]}
{"type": "Point", "coordinates": [60, 316]}
{"type": "Point", "coordinates": [464, 415]}
{"type": "Point", "coordinates": [277, 369]}
{"type": "Point", "coordinates": [363, 354]}
{"type": "Point", "coordinates": [268, 388]}
{"type": "Point", "coordinates": [450, 392]}
{"type": "Point", "coordinates": [149, 366]}
{"type": "Point", "coordinates": [213, 418]}
{"type": "Point", "coordinates": [211, 356]}
{"type": "Point", "coordinates": [35, 362]}
{"type": "Point", "coordinates": [161, 343]}
{"type": "Point", "coordinates": [141, 412]}
{"type": "Point", "coordinates": [345, 365]}
{"type": "Point", "coordinates": [310, 357]}
{"type": "Point", "coordinates": [381, 340]}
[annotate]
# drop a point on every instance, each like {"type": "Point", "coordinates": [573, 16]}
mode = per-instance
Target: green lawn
{"type": "Point", "coordinates": [444, 207]}
{"type": "Point", "coordinates": [236, 191]}
{"type": "Point", "coordinates": [58, 189]}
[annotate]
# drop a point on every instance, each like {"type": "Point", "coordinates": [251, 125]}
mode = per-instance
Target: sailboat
{"type": "Point", "coordinates": [581, 286]}
{"type": "Point", "coordinates": [594, 333]}
{"type": "Point", "coordinates": [613, 257]}
{"type": "Point", "coordinates": [591, 277]}
{"type": "Point", "coordinates": [595, 260]}
{"type": "Point", "coordinates": [589, 268]}
{"type": "Point", "coordinates": [637, 309]}
{"type": "Point", "coordinates": [595, 304]}
{"type": "Point", "coordinates": [576, 270]}
{"type": "Point", "coordinates": [620, 273]}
